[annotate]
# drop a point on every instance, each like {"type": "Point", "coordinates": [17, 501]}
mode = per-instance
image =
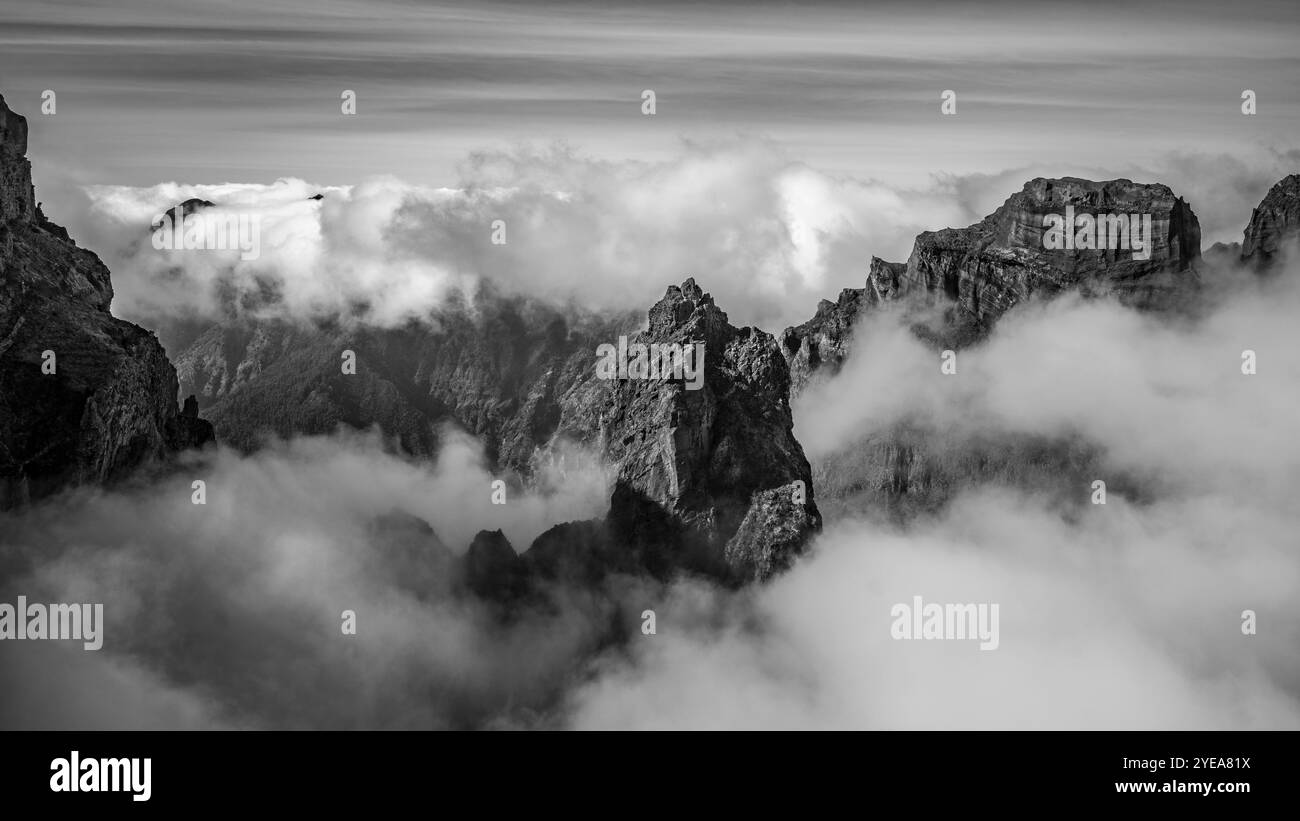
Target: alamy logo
{"type": "Point", "coordinates": [208, 231]}
{"type": "Point", "coordinates": [946, 621]}
{"type": "Point", "coordinates": [1098, 232]}
{"type": "Point", "coordinates": [74, 774]}
{"type": "Point", "coordinates": [82, 622]}
{"type": "Point", "coordinates": [669, 360]}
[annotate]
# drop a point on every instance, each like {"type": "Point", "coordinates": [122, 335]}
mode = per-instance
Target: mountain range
{"type": "Point", "coordinates": [712, 481]}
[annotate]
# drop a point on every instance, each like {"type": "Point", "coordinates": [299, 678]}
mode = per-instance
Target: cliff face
{"type": "Point", "coordinates": [109, 404]}
{"type": "Point", "coordinates": [972, 276]}
{"type": "Point", "coordinates": [968, 278]}
{"type": "Point", "coordinates": [17, 198]}
{"type": "Point", "coordinates": [261, 379]}
{"type": "Point", "coordinates": [991, 266]}
{"type": "Point", "coordinates": [495, 366]}
{"type": "Point", "coordinates": [1273, 225]}
{"type": "Point", "coordinates": [713, 475]}
{"type": "Point", "coordinates": [822, 343]}
{"type": "Point", "coordinates": [976, 274]}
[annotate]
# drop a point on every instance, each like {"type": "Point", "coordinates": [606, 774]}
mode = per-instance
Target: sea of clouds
{"type": "Point", "coordinates": [1127, 616]}
{"type": "Point", "coordinates": [769, 236]}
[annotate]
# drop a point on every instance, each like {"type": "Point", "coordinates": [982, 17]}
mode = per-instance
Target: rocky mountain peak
{"type": "Point", "coordinates": [189, 206]}
{"type": "Point", "coordinates": [823, 340]}
{"type": "Point", "coordinates": [1177, 240]}
{"type": "Point", "coordinates": [686, 311]}
{"type": "Point", "coordinates": [987, 268]}
{"type": "Point", "coordinates": [973, 276]}
{"type": "Point", "coordinates": [709, 477]}
{"type": "Point", "coordinates": [13, 129]}
{"type": "Point", "coordinates": [1273, 223]}
{"type": "Point", "coordinates": [978, 273]}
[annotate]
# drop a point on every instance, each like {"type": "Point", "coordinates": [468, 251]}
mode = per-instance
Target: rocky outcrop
{"type": "Point", "coordinates": [991, 266]}
{"type": "Point", "coordinates": [492, 568]}
{"type": "Point", "coordinates": [692, 465]}
{"type": "Point", "coordinates": [976, 274]}
{"type": "Point", "coordinates": [709, 477]}
{"type": "Point", "coordinates": [577, 553]}
{"type": "Point", "coordinates": [190, 206]}
{"type": "Point", "coordinates": [820, 345]}
{"type": "Point", "coordinates": [884, 281]}
{"type": "Point", "coordinates": [572, 555]}
{"type": "Point", "coordinates": [1274, 225]}
{"type": "Point", "coordinates": [955, 286]}
{"type": "Point", "coordinates": [972, 277]}
{"type": "Point", "coordinates": [773, 532]}
{"type": "Point", "coordinates": [84, 397]}
{"type": "Point", "coordinates": [1221, 256]}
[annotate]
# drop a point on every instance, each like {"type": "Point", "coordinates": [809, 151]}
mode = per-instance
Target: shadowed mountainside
{"type": "Point", "coordinates": [84, 396]}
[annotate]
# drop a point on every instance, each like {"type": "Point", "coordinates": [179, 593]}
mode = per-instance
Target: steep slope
{"type": "Point", "coordinates": [275, 378]}
{"type": "Point", "coordinates": [974, 275]}
{"type": "Point", "coordinates": [991, 266]}
{"type": "Point", "coordinates": [971, 277]}
{"type": "Point", "coordinates": [84, 397]}
{"type": "Point", "coordinates": [820, 345]}
{"type": "Point", "coordinates": [711, 478]}
{"type": "Point", "coordinates": [953, 289]}
{"type": "Point", "coordinates": [495, 366]}
{"type": "Point", "coordinates": [1274, 225]}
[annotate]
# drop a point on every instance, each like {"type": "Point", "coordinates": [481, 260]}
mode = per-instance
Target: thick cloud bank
{"type": "Point", "coordinates": [1124, 615]}
{"type": "Point", "coordinates": [1127, 619]}
{"type": "Point", "coordinates": [769, 235]}
{"type": "Point", "coordinates": [230, 613]}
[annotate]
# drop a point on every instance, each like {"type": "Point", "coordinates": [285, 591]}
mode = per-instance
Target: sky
{"type": "Point", "coordinates": [250, 92]}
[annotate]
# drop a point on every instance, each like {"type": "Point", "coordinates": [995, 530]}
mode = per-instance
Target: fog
{"type": "Point", "coordinates": [230, 613]}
